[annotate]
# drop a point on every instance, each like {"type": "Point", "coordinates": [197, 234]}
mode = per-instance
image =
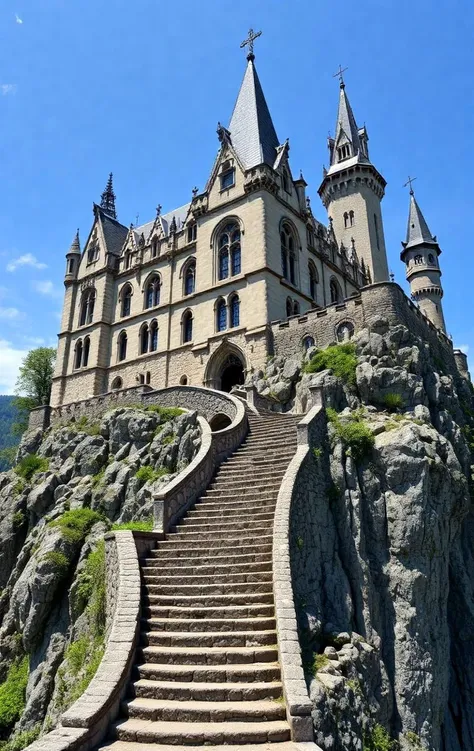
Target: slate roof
{"type": "Point", "coordinates": [418, 231]}
{"type": "Point", "coordinates": [75, 245]}
{"type": "Point", "coordinates": [346, 121]}
{"type": "Point", "coordinates": [180, 214]}
{"type": "Point", "coordinates": [115, 233]}
{"type": "Point", "coordinates": [251, 128]}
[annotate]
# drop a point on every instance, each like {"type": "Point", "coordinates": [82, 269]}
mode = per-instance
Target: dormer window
{"type": "Point", "coordinates": [228, 179]}
{"type": "Point", "coordinates": [192, 233]}
{"type": "Point", "coordinates": [343, 152]}
{"type": "Point", "coordinates": [285, 181]}
{"type": "Point", "coordinates": [92, 253]}
{"type": "Point", "coordinates": [154, 247]}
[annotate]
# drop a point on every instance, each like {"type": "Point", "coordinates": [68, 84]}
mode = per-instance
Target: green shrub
{"type": "Point", "coordinates": [413, 739]}
{"type": "Point", "coordinates": [299, 543]}
{"type": "Point", "coordinates": [98, 479]}
{"type": "Point", "coordinates": [393, 402]}
{"type": "Point", "coordinates": [169, 439]}
{"type": "Point", "coordinates": [84, 426]}
{"type": "Point", "coordinates": [166, 413]}
{"type": "Point", "coordinates": [340, 358]}
{"type": "Point", "coordinates": [58, 560]}
{"type": "Point", "coordinates": [357, 438]}
{"type": "Point", "coordinates": [12, 693]}
{"type": "Point", "coordinates": [148, 474]}
{"type": "Point", "coordinates": [315, 663]}
{"type": "Point", "coordinates": [81, 661]}
{"type": "Point", "coordinates": [19, 518]}
{"type": "Point", "coordinates": [76, 524]}
{"type": "Point", "coordinates": [145, 526]}
{"type": "Point", "coordinates": [317, 453]}
{"type": "Point", "coordinates": [30, 465]}
{"type": "Point", "coordinates": [20, 486]}
{"type": "Point", "coordinates": [91, 588]}
{"type": "Point", "coordinates": [378, 740]}
{"type": "Point", "coordinates": [22, 740]}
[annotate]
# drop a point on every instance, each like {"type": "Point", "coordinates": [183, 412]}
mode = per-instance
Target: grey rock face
{"type": "Point", "coordinates": [29, 444]}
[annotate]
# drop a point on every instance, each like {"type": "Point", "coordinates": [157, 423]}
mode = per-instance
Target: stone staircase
{"type": "Point", "coordinates": [208, 671]}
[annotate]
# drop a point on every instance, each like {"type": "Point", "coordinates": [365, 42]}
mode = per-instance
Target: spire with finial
{"type": "Point", "coordinates": [107, 199]}
{"type": "Point", "coordinates": [173, 226]}
{"type": "Point", "coordinates": [249, 42]}
{"type": "Point", "coordinates": [75, 245]}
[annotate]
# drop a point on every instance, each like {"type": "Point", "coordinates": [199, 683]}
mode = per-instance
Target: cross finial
{"type": "Point", "coordinates": [158, 209]}
{"type": "Point", "coordinates": [340, 76]}
{"type": "Point", "coordinates": [253, 35]}
{"type": "Point", "coordinates": [410, 182]}
{"type": "Point", "coordinates": [195, 191]}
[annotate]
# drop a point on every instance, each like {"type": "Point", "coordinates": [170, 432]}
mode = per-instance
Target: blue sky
{"type": "Point", "coordinates": [91, 86]}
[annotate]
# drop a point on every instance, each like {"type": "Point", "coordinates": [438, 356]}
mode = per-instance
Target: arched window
{"type": "Point", "coordinates": [313, 281]}
{"type": "Point", "coordinates": [289, 307]}
{"type": "Point", "coordinates": [183, 381]}
{"type": "Point", "coordinates": [288, 253]}
{"type": "Point", "coordinates": [431, 259]}
{"type": "Point", "coordinates": [188, 326]}
{"type": "Point", "coordinates": [78, 354]}
{"type": "Point", "coordinates": [192, 232]}
{"type": "Point", "coordinates": [296, 308]}
{"type": "Point", "coordinates": [229, 251]}
{"type": "Point", "coordinates": [128, 260]}
{"type": "Point", "coordinates": [154, 336]}
{"type": "Point", "coordinates": [308, 342]}
{"type": "Point", "coordinates": [335, 290]}
{"type": "Point", "coordinates": [285, 180]}
{"type": "Point", "coordinates": [126, 300]}
{"type": "Point", "coordinates": [152, 294]}
{"type": "Point", "coordinates": [117, 384]}
{"type": "Point", "coordinates": [345, 331]}
{"type": "Point", "coordinates": [221, 316]}
{"type": "Point", "coordinates": [351, 218]}
{"type": "Point", "coordinates": [310, 236]}
{"type": "Point", "coordinates": [346, 219]}
{"type": "Point", "coordinates": [190, 278]}
{"type": "Point", "coordinates": [87, 307]}
{"type": "Point", "coordinates": [122, 346]}
{"type": "Point", "coordinates": [234, 311]}
{"type": "Point", "coordinates": [148, 378]}
{"type": "Point", "coordinates": [85, 356]}
{"type": "Point", "coordinates": [154, 247]}
{"type": "Point", "coordinates": [344, 151]}
{"type": "Point", "coordinates": [418, 259]}
{"type": "Point", "coordinates": [144, 339]}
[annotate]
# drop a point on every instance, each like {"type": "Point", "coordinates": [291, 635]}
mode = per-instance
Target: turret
{"type": "Point", "coordinates": [107, 199]}
{"type": "Point", "coordinates": [352, 191]}
{"type": "Point", "coordinates": [73, 258]}
{"type": "Point", "coordinates": [420, 255]}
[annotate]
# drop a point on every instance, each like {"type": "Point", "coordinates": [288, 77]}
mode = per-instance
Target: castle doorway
{"type": "Point", "coordinates": [232, 373]}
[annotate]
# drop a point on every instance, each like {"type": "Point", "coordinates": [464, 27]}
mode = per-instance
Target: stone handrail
{"type": "Point", "coordinates": [85, 724]}
{"type": "Point", "coordinates": [174, 500]}
{"type": "Point", "coordinates": [258, 402]}
{"type": "Point", "coordinates": [311, 432]}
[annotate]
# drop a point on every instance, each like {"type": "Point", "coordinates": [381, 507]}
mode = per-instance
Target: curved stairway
{"type": "Point", "coordinates": [208, 671]}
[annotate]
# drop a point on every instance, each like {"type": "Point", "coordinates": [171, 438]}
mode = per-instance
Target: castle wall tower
{"type": "Point", "coordinates": [420, 255]}
{"type": "Point", "coordinates": [352, 191]}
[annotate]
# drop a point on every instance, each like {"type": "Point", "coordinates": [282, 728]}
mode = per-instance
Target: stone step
{"type": "Point", "coordinates": [210, 584]}
{"type": "Point", "coordinates": [199, 656]}
{"type": "Point", "coordinates": [244, 482]}
{"type": "Point", "coordinates": [242, 492]}
{"type": "Point", "coordinates": [209, 638]}
{"type": "Point", "coordinates": [256, 610]}
{"type": "Point", "coordinates": [222, 546]}
{"type": "Point", "coordinates": [210, 568]}
{"type": "Point", "coordinates": [173, 690]}
{"type": "Point", "coordinates": [212, 625]}
{"type": "Point", "coordinates": [262, 445]}
{"type": "Point", "coordinates": [247, 471]}
{"type": "Point", "coordinates": [200, 733]}
{"type": "Point", "coordinates": [131, 746]}
{"type": "Point", "coordinates": [223, 498]}
{"type": "Point", "coordinates": [208, 674]}
{"type": "Point", "coordinates": [195, 554]}
{"type": "Point", "coordinates": [237, 522]}
{"type": "Point", "coordinates": [213, 510]}
{"type": "Point", "coordinates": [165, 710]}
{"type": "Point", "coordinates": [152, 596]}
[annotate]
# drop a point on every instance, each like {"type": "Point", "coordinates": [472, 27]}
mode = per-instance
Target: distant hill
{"type": "Point", "coordinates": [8, 415]}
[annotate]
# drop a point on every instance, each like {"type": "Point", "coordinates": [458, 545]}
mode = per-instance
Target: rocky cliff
{"type": "Point", "coordinates": [69, 487]}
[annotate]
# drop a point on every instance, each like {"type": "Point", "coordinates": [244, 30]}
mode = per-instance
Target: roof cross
{"type": "Point", "coordinates": [410, 182]}
{"type": "Point", "coordinates": [340, 76]}
{"type": "Point", "coordinates": [253, 35]}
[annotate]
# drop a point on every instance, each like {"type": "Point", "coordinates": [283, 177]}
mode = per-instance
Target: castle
{"type": "Point", "coordinates": [189, 297]}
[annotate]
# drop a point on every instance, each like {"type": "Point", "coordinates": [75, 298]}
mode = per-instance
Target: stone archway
{"type": "Point", "coordinates": [226, 368]}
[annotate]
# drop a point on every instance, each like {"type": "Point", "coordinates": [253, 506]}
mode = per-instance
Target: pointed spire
{"type": "Point", "coordinates": [418, 231]}
{"type": "Point", "coordinates": [345, 125]}
{"type": "Point", "coordinates": [251, 128]}
{"type": "Point", "coordinates": [75, 245]}
{"type": "Point", "coordinates": [107, 199]}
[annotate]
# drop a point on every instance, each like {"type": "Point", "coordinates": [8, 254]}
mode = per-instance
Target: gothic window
{"type": "Point", "coordinates": [313, 281]}
{"type": "Point", "coordinates": [154, 336]}
{"type": "Point", "coordinates": [154, 247]}
{"type": "Point", "coordinates": [343, 152]}
{"type": "Point", "coordinates": [351, 218]}
{"type": "Point", "coordinates": [228, 179]}
{"type": "Point", "coordinates": [92, 253]}
{"type": "Point", "coordinates": [284, 259]}
{"type": "Point", "coordinates": [229, 251]}
{"type": "Point", "coordinates": [122, 346]}
{"type": "Point", "coordinates": [117, 384]}
{"type": "Point", "coordinates": [431, 259]}
{"type": "Point", "coordinates": [126, 300]}
{"type": "Point", "coordinates": [310, 237]}
{"type": "Point", "coordinates": [345, 331]}
{"type": "Point", "coordinates": [418, 259]}
{"type": "Point", "coordinates": [148, 377]}
{"type": "Point", "coordinates": [234, 311]}
{"type": "Point", "coordinates": [128, 260]}
{"type": "Point", "coordinates": [87, 307]}
{"type": "Point", "coordinates": [187, 326]}
{"type": "Point", "coordinates": [288, 254]}
{"type": "Point", "coordinates": [153, 289]}
{"type": "Point", "coordinates": [308, 342]}
{"type": "Point", "coordinates": [335, 290]}
{"type": "Point", "coordinates": [183, 381]}
{"type": "Point", "coordinates": [346, 220]}
{"type": "Point", "coordinates": [189, 278]}
{"type": "Point", "coordinates": [192, 232]}
{"type": "Point", "coordinates": [285, 181]}
{"type": "Point", "coordinates": [221, 316]}
{"type": "Point", "coordinates": [85, 356]}
{"type": "Point", "coordinates": [70, 266]}
{"type": "Point", "coordinates": [296, 308]}
{"type": "Point", "coordinates": [78, 354]}
{"type": "Point", "coordinates": [289, 307]}
{"type": "Point", "coordinates": [144, 339]}
{"type": "Point", "coordinates": [141, 379]}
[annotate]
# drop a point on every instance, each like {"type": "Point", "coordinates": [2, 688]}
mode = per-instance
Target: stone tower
{"type": "Point", "coordinates": [420, 255]}
{"type": "Point", "coordinates": [352, 191]}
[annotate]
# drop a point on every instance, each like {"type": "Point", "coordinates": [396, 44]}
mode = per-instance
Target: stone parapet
{"type": "Point", "coordinates": [294, 489]}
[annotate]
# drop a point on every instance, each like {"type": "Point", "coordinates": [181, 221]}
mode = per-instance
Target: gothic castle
{"type": "Point", "coordinates": [189, 297]}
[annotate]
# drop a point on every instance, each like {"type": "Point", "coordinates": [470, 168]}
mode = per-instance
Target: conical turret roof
{"type": "Point", "coordinates": [75, 245]}
{"type": "Point", "coordinates": [418, 231]}
{"type": "Point", "coordinates": [346, 122]}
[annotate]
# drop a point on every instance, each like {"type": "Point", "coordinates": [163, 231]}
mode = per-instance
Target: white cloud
{"type": "Point", "coordinates": [464, 348]}
{"type": "Point", "coordinates": [47, 288]}
{"type": "Point", "coordinates": [10, 359]}
{"type": "Point", "coordinates": [18, 19]}
{"type": "Point", "coordinates": [28, 259]}
{"type": "Point", "coordinates": [8, 88]}
{"type": "Point", "coordinates": [11, 314]}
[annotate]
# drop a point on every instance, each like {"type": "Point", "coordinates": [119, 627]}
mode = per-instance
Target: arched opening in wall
{"type": "Point", "coordinates": [219, 422]}
{"type": "Point", "coordinates": [345, 331]}
{"type": "Point", "coordinates": [232, 373]}
{"type": "Point", "coordinates": [183, 381]}
{"type": "Point", "coordinates": [117, 384]}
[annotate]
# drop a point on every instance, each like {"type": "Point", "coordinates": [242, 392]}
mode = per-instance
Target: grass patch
{"type": "Point", "coordinates": [169, 439]}
{"type": "Point", "coordinates": [22, 740]}
{"type": "Point", "coordinates": [84, 426]}
{"type": "Point", "coordinates": [12, 694]}
{"type": "Point", "coordinates": [378, 740]}
{"type": "Point", "coordinates": [315, 662]}
{"type": "Point", "coordinates": [30, 465]}
{"type": "Point", "coordinates": [393, 402]}
{"type": "Point", "coordinates": [148, 474]}
{"type": "Point", "coordinates": [340, 358]}
{"type": "Point", "coordinates": [317, 453]}
{"type": "Point", "coordinates": [356, 436]}
{"type": "Point", "coordinates": [98, 479]}
{"type": "Point", "coordinates": [81, 662]}
{"type": "Point", "coordinates": [58, 561]}
{"type": "Point", "coordinates": [19, 518]}
{"type": "Point", "coordinates": [166, 413]}
{"type": "Point", "coordinates": [91, 588]}
{"type": "Point", "coordinates": [145, 526]}
{"type": "Point", "coordinates": [299, 543]}
{"type": "Point", "coordinates": [76, 524]}
{"type": "Point", "coordinates": [413, 739]}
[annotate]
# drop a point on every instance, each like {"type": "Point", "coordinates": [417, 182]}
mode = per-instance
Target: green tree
{"type": "Point", "coordinates": [33, 385]}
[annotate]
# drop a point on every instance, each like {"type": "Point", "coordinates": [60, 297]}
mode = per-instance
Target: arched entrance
{"type": "Point", "coordinates": [226, 368]}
